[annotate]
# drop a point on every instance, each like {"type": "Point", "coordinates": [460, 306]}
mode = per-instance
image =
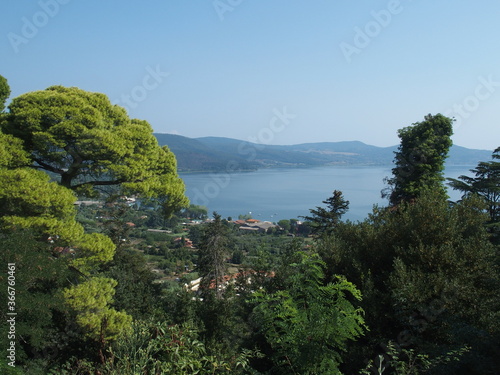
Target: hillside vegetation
{"type": "Point", "coordinates": [210, 154]}
{"type": "Point", "coordinates": [135, 280]}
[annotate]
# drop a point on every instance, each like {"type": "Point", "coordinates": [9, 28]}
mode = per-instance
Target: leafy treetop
{"type": "Point", "coordinates": [89, 143]}
{"type": "Point", "coordinates": [324, 220]}
{"type": "Point", "coordinates": [12, 154]}
{"type": "Point", "coordinates": [420, 158]}
{"type": "Point", "coordinates": [486, 184]}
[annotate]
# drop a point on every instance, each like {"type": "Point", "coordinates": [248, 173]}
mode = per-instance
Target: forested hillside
{"type": "Point", "coordinates": [108, 269]}
{"type": "Point", "coordinates": [216, 153]}
{"type": "Point", "coordinates": [194, 155]}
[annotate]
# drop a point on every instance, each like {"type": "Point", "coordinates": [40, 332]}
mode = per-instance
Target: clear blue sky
{"type": "Point", "coordinates": [344, 70]}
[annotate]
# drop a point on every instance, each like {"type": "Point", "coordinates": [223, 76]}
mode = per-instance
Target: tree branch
{"type": "Point", "coordinates": [99, 183]}
{"type": "Point", "coordinates": [48, 167]}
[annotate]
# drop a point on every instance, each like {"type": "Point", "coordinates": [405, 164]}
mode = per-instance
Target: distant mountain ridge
{"type": "Point", "coordinates": [214, 154]}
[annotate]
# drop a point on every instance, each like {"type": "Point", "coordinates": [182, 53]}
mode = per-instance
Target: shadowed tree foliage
{"type": "Point", "coordinates": [39, 276]}
{"type": "Point", "coordinates": [324, 220]}
{"type": "Point", "coordinates": [213, 252]}
{"type": "Point", "coordinates": [419, 161]}
{"type": "Point", "coordinates": [429, 278]}
{"type": "Point", "coordinates": [486, 184]}
{"type": "Point", "coordinates": [89, 143]}
{"type": "Point", "coordinates": [29, 200]}
{"type": "Point", "coordinates": [135, 293]}
{"type": "Point", "coordinates": [307, 323]}
{"type": "Point", "coordinates": [4, 92]}
{"type": "Point", "coordinates": [154, 348]}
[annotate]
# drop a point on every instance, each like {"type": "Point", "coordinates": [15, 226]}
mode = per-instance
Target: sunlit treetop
{"type": "Point", "coordinates": [88, 143]}
{"type": "Point", "coordinates": [419, 161]}
{"type": "Point", "coordinates": [12, 154]}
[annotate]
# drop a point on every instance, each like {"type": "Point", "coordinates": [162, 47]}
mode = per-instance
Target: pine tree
{"type": "Point", "coordinates": [486, 184]}
{"type": "Point", "coordinates": [89, 144]}
{"type": "Point", "coordinates": [324, 220]}
{"type": "Point", "coordinates": [213, 252]}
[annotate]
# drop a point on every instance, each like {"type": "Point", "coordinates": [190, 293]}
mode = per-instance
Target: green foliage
{"type": "Point", "coordinates": [135, 293]}
{"type": "Point", "coordinates": [157, 348]}
{"type": "Point", "coordinates": [38, 279]}
{"type": "Point", "coordinates": [450, 260]}
{"type": "Point", "coordinates": [25, 192]}
{"type": "Point", "coordinates": [93, 250]}
{"type": "Point", "coordinates": [426, 269]}
{"type": "Point", "coordinates": [307, 324]}
{"type": "Point", "coordinates": [285, 224]}
{"type": "Point", "coordinates": [88, 142]}
{"type": "Point", "coordinates": [91, 301]}
{"type": "Point", "coordinates": [406, 362]}
{"type": "Point", "coordinates": [419, 161]}
{"type": "Point", "coordinates": [213, 252]}
{"type": "Point", "coordinates": [323, 220]}
{"type": "Point", "coordinates": [29, 200]}
{"type": "Point", "coordinates": [85, 144]}
{"type": "Point", "coordinates": [428, 274]}
{"type": "Point", "coordinates": [195, 212]}
{"type": "Point", "coordinates": [6, 369]}
{"type": "Point", "coordinates": [486, 184]}
{"type": "Point", "coordinates": [12, 154]}
{"type": "Point", "coordinates": [237, 257]}
{"type": "Point", "coordinates": [180, 307]}
{"type": "Point", "coordinates": [115, 225]}
{"type": "Point", "coordinates": [4, 92]}
{"type": "Point", "coordinates": [140, 351]}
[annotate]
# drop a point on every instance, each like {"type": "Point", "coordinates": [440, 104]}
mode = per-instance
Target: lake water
{"type": "Point", "coordinates": [285, 193]}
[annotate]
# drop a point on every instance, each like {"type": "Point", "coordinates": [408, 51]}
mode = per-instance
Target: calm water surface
{"type": "Point", "coordinates": [285, 193]}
